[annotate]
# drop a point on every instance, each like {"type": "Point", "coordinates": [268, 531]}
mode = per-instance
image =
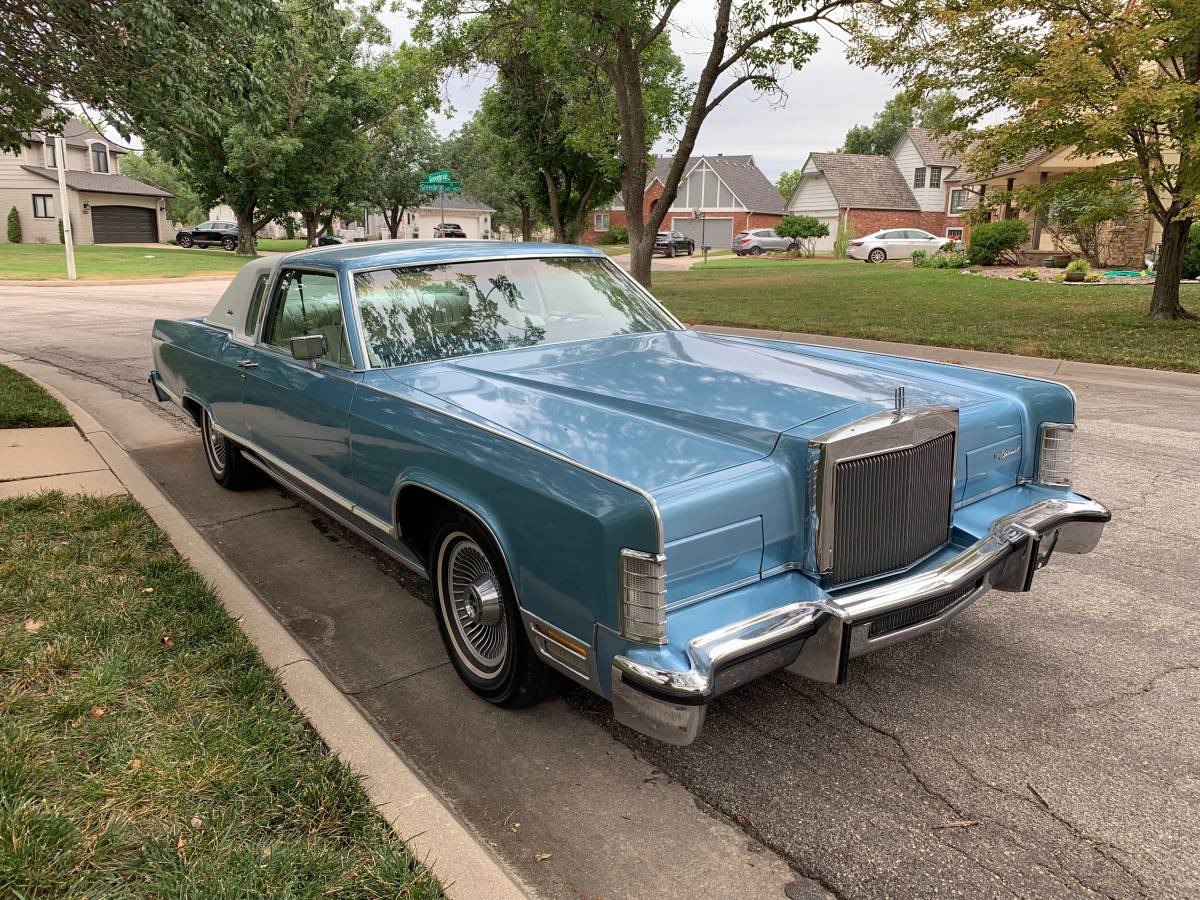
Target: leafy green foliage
{"type": "Point", "coordinates": [492, 168]}
{"type": "Point", "coordinates": [1077, 209]}
{"type": "Point", "coordinates": [402, 149]}
{"type": "Point", "coordinates": [787, 181]}
{"type": "Point", "coordinates": [804, 230]}
{"type": "Point", "coordinates": [617, 234]}
{"type": "Point", "coordinates": [943, 259]}
{"type": "Point", "coordinates": [14, 226]}
{"type": "Point", "coordinates": [991, 241]}
{"type": "Point", "coordinates": [1078, 265]}
{"type": "Point", "coordinates": [933, 111]}
{"type": "Point", "coordinates": [844, 236]}
{"type": "Point", "coordinates": [1029, 274]}
{"type": "Point", "coordinates": [124, 56]}
{"type": "Point", "coordinates": [1191, 256]}
{"type": "Point", "coordinates": [185, 207]}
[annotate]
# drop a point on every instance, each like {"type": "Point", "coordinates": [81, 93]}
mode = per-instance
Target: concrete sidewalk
{"type": "Point", "coordinates": [86, 458]}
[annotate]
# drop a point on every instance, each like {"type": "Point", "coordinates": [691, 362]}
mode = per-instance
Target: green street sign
{"type": "Point", "coordinates": [442, 177]}
{"type": "Point", "coordinates": [449, 187]}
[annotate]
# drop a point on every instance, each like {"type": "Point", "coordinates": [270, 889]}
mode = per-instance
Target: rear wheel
{"type": "Point", "coordinates": [877, 255]}
{"type": "Point", "coordinates": [671, 251]}
{"type": "Point", "coordinates": [226, 464]}
{"type": "Point", "coordinates": [479, 620]}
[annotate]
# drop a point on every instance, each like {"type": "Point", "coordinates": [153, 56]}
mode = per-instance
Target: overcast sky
{"type": "Point", "coordinates": [824, 99]}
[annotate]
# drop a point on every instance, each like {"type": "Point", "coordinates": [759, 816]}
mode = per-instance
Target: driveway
{"type": "Point", "coordinates": [1045, 744]}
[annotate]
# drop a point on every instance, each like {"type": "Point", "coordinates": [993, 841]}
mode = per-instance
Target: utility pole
{"type": "Point", "coordinates": [60, 156]}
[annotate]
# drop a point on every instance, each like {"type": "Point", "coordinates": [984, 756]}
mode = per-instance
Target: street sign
{"type": "Point", "coordinates": [442, 177]}
{"type": "Point", "coordinates": [449, 187]}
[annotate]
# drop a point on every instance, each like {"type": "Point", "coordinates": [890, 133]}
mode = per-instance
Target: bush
{"type": "Point", "coordinates": [61, 237]}
{"type": "Point", "coordinates": [1078, 265]}
{"type": "Point", "coordinates": [14, 226]}
{"type": "Point", "coordinates": [992, 241]}
{"type": "Point", "coordinates": [956, 260]}
{"type": "Point", "coordinates": [804, 230]}
{"type": "Point", "coordinates": [1092, 277]}
{"type": "Point", "coordinates": [1028, 275]}
{"type": "Point", "coordinates": [618, 234]}
{"type": "Point", "coordinates": [920, 259]}
{"type": "Point", "coordinates": [1191, 253]}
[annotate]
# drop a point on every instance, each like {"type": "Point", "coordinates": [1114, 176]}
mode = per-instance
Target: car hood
{"type": "Point", "coordinates": [654, 409]}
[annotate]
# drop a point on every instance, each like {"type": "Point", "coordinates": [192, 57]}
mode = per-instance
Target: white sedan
{"type": "Point", "coordinates": [893, 243]}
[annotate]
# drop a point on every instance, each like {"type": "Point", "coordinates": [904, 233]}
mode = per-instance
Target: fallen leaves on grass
{"type": "Point", "coordinates": [33, 626]}
{"type": "Point", "coordinates": [135, 764]}
{"type": "Point", "coordinates": [166, 641]}
{"type": "Point", "coordinates": [97, 712]}
{"type": "Point", "coordinates": [542, 857]}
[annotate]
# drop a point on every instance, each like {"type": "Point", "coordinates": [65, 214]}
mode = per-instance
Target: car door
{"type": "Point", "coordinates": [297, 413]}
{"type": "Point", "coordinates": [775, 242]}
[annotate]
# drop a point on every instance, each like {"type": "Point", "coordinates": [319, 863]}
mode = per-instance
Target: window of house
{"type": "Point", "coordinates": [956, 201]}
{"type": "Point", "coordinates": [51, 155]}
{"type": "Point", "coordinates": [919, 177]}
{"type": "Point", "coordinates": [99, 158]}
{"type": "Point", "coordinates": [935, 176]}
{"type": "Point", "coordinates": [601, 221]}
{"type": "Point", "coordinates": [954, 234]}
{"type": "Point", "coordinates": [43, 206]}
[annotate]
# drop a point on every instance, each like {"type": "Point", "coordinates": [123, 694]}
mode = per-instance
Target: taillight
{"type": "Point", "coordinates": [856, 243]}
{"type": "Point", "coordinates": [643, 593]}
{"type": "Point", "coordinates": [1054, 455]}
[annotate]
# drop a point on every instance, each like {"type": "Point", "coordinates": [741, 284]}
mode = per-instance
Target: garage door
{"type": "Point", "coordinates": [717, 232]}
{"type": "Point", "coordinates": [124, 225]}
{"type": "Point", "coordinates": [825, 244]}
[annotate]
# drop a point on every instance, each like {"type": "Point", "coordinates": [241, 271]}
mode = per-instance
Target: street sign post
{"type": "Point", "coordinates": [450, 187]}
{"type": "Point", "coordinates": [441, 183]}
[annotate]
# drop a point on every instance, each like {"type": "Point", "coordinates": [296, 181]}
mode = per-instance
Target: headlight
{"type": "Point", "coordinates": [1057, 447]}
{"type": "Point", "coordinates": [643, 597]}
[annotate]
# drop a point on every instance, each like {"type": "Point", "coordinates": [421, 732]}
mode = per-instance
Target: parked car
{"type": "Point", "coordinates": [757, 241]}
{"type": "Point", "coordinates": [893, 243]}
{"type": "Point", "coordinates": [449, 230]}
{"type": "Point", "coordinates": [597, 492]}
{"type": "Point", "coordinates": [206, 234]}
{"type": "Point", "coordinates": [672, 243]}
{"type": "Point", "coordinates": [330, 240]}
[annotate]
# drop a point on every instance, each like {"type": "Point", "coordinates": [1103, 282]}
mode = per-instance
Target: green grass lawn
{"type": "Point", "coordinates": [613, 249]}
{"type": "Point", "coordinates": [281, 245]}
{"type": "Point", "coordinates": [1106, 324]}
{"type": "Point", "coordinates": [25, 404]}
{"type": "Point", "coordinates": [145, 749]}
{"type": "Point", "coordinates": [38, 262]}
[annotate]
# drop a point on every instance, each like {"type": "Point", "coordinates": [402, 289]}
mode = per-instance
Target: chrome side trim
{"type": "Point", "coordinates": [311, 483]}
{"type": "Point", "coordinates": [817, 638]}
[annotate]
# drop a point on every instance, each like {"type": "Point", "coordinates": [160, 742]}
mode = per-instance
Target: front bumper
{"type": "Point", "coordinates": [818, 638]}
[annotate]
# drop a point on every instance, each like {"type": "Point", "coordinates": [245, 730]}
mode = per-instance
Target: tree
{"type": "Point", "coordinates": [149, 167]}
{"type": "Point", "coordinates": [1077, 210]}
{"type": "Point", "coordinates": [1105, 78]}
{"type": "Point", "coordinates": [804, 230]}
{"type": "Point", "coordinates": [492, 167]}
{"type": "Point", "coordinates": [932, 111]}
{"type": "Point", "coordinates": [14, 226]}
{"type": "Point", "coordinates": [119, 56]}
{"type": "Point", "coordinates": [401, 150]}
{"type": "Point", "coordinates": [787, 182]}
{"type": "Point", "coordinates": [753, 42]}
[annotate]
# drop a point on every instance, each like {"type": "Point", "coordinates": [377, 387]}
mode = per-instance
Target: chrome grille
{"type": "Point", "coordinates": [891, 509]}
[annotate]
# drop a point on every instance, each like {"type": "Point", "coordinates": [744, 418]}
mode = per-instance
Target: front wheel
{"type": "Point", "coordinates": [479, 620]}
{"type": "Point", "coordinates": [756, 251]}
{"type": "Point", "coordinates": [184, 241]}
{"type": "Point", "coordinates": [226, 464]}
{"type": "Point", "coordinates": [691, 249]}
{"type": "Point", "coordinates": [671, 251]}
{"type": "Point", "coordinates": [877, 255]}
{"type": "Point", "coordinates": [228, 244]}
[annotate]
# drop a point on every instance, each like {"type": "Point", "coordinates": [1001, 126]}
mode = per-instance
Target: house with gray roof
{"type": "Point", "coordinates": [918, 185]}
{"type": "Point", "coordinates": [105, 206]}
{"type": "Point", "coordinates": [729, 193]}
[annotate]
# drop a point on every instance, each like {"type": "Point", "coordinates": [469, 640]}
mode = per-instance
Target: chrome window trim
{"type": "Point", "coordinates": [879, 433]}
{"type": "Point", "coordinates": [601, 258]}
{"type": "Point", "coordinates": [266, 308]}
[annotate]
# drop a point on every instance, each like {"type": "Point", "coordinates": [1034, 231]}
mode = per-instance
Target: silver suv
{"type": "Point", "coordinates": [756, 241]}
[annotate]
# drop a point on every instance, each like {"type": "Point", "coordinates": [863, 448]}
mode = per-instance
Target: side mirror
{"type": "Point", "coordinates": [308, 347]}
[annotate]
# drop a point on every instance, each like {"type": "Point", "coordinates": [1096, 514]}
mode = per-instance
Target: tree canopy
{"type": "Point", "coordinates": [933, 110]}
{"type": "Point", "coordinates": [787, 181]}
{"type": "Point", "coordinates": [1110, 81]}
{"type": "Point", "coordinates": [148, 166]}
{"type": "Point", "coordinates": [400, 151]}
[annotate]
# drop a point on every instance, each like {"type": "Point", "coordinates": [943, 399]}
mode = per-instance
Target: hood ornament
{"type": "Point", "coordinates": [899, 400]}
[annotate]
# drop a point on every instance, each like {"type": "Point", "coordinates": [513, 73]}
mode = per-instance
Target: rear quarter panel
{"type": "Point", "coordinates": [199, 362]}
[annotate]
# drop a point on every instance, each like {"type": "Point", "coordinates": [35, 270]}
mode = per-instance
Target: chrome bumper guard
{"type": "Point", "coordinates": [818, 639]}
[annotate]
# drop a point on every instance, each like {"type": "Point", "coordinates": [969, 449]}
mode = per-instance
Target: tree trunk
{"type": "Point", "coordinates": [526, 223]}
{"type": "Point", "coordinates": [392, 217]}
{"type": "Point", "coordinates": [246, 230]}
{"type": "Point", "coordinates": [310, 227]}
{"type": "Point", "coordinates": [1164, 302]}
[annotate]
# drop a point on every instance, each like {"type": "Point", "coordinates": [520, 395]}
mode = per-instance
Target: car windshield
{"type": "Point", "coordinates": [415, 314]}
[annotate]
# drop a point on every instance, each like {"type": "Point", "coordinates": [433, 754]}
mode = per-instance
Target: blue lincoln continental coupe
{"type": "Point", "coordinates": [598, 492]}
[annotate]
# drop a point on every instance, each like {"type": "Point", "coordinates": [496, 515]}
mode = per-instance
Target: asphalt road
{"type": "Point", "coordinates": [1044, 745]}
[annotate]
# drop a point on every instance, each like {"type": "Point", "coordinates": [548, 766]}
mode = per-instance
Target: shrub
{"type": "Point", "coordinates": [992, 241]}
{"type": "Point", "coordinates": [955, 260]}
{"type": "Point", "coordinates": [61, 237]}
{"type": "Point", "coordinates": [1092, 277]}
{"type": "Point", "coordinates": [804, 230]}
{"type": "Point", "coordinates": [14, 226]}
{"type": "Point", "coordinates": [842, 242]}
{"type": "Point", "coordinates": [1028, 275]}
{"type": "Point", "coordinates": [618, 234]}
{"type": "Point", "coordinates": [1078, 265]}
{"type": "Point", "coordinates": [920, 259]}
{"type": "Point", "coordinates": [1191, 253]}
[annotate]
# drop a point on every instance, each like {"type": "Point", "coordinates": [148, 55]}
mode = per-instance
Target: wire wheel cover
{"type": "Point", "coordinates": [476, 604]}
{"type": "Point", "coordinates": [216, 445]}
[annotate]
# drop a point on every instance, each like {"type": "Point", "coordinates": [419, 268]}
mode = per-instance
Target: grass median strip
{"type": "Point", "coordinates": [39, 262]}
{"type": "Point", "coordinates": [25, 404]}
{"type": "Point", "coordinates": [894, 302]}
{"type": "Point", "coordinates": [145, 749]}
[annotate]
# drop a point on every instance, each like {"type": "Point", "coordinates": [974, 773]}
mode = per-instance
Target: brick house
{"type": "Point", "coordinates": [917, 185]}
{"type": "Point", "coordinates": [730, 193]}
{"type": "Point", "coordinates": [105, 206]}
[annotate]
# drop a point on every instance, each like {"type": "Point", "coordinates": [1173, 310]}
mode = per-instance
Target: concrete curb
{"type": "Point", "coordinates": [434, 834]}
{"type": "Point", "coordinates": [1036, 366]}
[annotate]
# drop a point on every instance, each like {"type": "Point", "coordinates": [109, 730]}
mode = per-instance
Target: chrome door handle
{"type": "Point", "coordinates": [247, 364]}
